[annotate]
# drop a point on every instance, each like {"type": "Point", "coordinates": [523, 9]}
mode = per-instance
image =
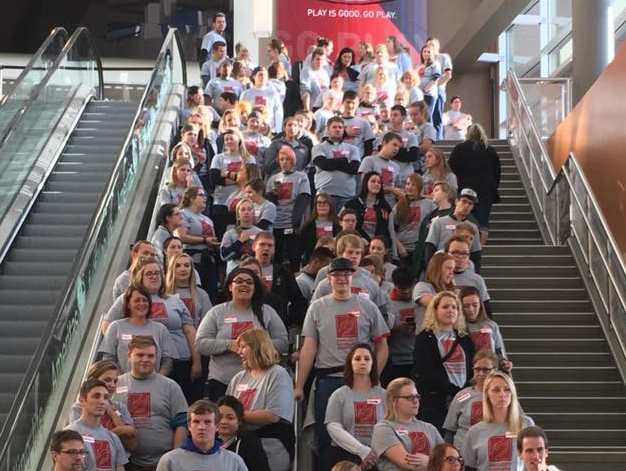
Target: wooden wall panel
{"type": "Point", "coordinates": [596, 132]}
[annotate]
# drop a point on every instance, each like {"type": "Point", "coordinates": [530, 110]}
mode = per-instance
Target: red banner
{"type": "Point", "coordinates": [348, 22]}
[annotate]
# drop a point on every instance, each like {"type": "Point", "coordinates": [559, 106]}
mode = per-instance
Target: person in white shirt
{"type": "Point", "coordinates": [211, 68]}
{"type": "Point", "coordinates": [314, 81]}
{"type": "Point", "coordinates": [532, 448]}
{"type": "Point", "coordinates": [216, 34]}
{"type": "Point", "coordinates": [262, 94]}
{"type": "Point", "coordinates": [456, 122]}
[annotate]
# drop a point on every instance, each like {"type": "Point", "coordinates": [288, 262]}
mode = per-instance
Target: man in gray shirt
{"type": "Point", "coordinates": [105, 451]}
{"type": "Point", "coordinates": [201, 451]}
{"type": "Point", "coordinates": [333, 324]}
{"type": "Point", "coordinates": [67, 451]}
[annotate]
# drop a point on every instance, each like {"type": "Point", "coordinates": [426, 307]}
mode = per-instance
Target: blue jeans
{"type": "Point", "coordinates": [431, 101]}
{"type": "Point", "coordinates": [324, 388]}
{"type": "Point", "coordinates": [438, 113]}
{"type": "Point", "coordinates": [339, 202]}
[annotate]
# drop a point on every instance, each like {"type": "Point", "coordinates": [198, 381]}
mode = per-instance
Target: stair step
{"type": "Point", "coordinates": [527, 259]}
{"type": "Point", "coordinates": [69, 243]}
{"type": "Point", "coordinates": [537, 294]}
{"type": "Point", "coordinates": [545, 319]}
{"type": "Point", "coordinates": [549, 358]}
{"type": "Point", "coordinates": [498, 240]}
{"type": "Point", "coordinates": [565, 373]}
{"type": "Point", "coordinates": [574, 404]}
{"type": "Point", "coordinates": [519, 250]}
{"type": "Point", "coordinates": [27, 297]}
{"type": "Point", "coordinates": [569, 388]}
{"type": "Point", "coordinates": [510, 207]}
{"type": "Point", "coordinates": [24, 312]}
{"type": "Point", "coordinates": [14, 363]}
{"type": "Point", "coordinates": [549, 331]}
{"type": "Point", "coordinates": [557, 345]}
{"type": "Point", "coordinates": [530, 305]}
{"type": "Point", "coordinates": [505, 270]}
{"type": "Point", "coordinates": [40, 255]}
{"type": "Point", "coordinates": [53, 230]}
{"type": "Point", "coordinates": [512, 225]}
{"type": "Point", "coordinates": [598, 436]}
{"type": "Point", "coordinates": [41, 268]}
{"type": "Point", "coordinates": [39, 283]}
{"type": "Point", "coordinates": [498, 216]}
{"type": "Point", "coordinates": [570, 458]}
{"type": "Point", "coordinates": [533, 282]}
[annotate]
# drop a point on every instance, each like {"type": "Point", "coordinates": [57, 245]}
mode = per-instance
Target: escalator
{"type": "Point", "coordinates": [70, 168]}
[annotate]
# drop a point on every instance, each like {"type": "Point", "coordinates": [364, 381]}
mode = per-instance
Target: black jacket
{"type": "Point", "coordinates": [429, 373]}
{"type": "Point", "coordinates": [249, 447]}
{"type": "Point", "coordinates": [382, 216]}
{"type": "Point", "coordinates": [308, 239]}
{"type": "Point", "coordinates": [477, 167]}
{"type": "Point", "coordinates": [285, 288]}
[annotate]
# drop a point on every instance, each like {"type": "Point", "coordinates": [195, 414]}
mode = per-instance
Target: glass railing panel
{"type": "Point", "coordinates": [35, 412]}
{"type": "Point", "coordinates": [77, 65]}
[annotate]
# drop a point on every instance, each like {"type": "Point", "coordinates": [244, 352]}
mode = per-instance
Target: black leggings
{"type": "Point", "coordinates": [289, 243]}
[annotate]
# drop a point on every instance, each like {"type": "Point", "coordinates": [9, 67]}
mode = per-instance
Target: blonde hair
{"type": "Point", "coordinates": [403, 207]}
{"type": "Point", "coordinates": [351, 240]}
{"type": "Point", "coordinates": [170, 278]}
{"type": "Point", "coordinates": [442, 169]}
{"type": "Point", "coordinates": [430, 318]}
{"type": "Point", "coordinates": [241, 148]}
{"type": "Point", "coordinates": [412, 75]}
{"type": "Point", "coordinates": [222, 127]}
{"type": "Point", "coordinates": [346, 466]}
{"type": "Point", "coordinates": [475, 132]}
{"type": "Point", "coordinates": [136, 277]}
{"type": "Point", "coordinates": [207, 118]}
{"type": "Point", "coordinates": [393, 393]}
{"type": "Point", "coordinates": [264, 354]}
{"type": "Point", "coordinates": [241, 202]}
{"type": "Point", "coordinates": [514, 418]}
{"type": "Point", "coordinates": [178, 163]}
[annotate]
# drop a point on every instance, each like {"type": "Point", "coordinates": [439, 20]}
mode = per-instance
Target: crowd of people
{"type": "Point", "coordinates": [337, 221]}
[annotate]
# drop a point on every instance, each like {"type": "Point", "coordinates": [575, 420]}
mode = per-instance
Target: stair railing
{"type": "Point", "coordinates": [569, 213]}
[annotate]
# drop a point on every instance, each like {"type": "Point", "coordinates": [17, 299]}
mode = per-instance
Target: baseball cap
{"type": "Point", "coordinates": [469, 194]}
{"type": "Point", "coordinates": [341, 264]}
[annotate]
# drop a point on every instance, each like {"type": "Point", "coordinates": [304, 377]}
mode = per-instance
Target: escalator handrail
{"type": "Point", "coordinates": [57, 319]}
{"type": "Point", "coordinates": [69, 45]}
{"type": "Point", "coordinates": [58, 31]}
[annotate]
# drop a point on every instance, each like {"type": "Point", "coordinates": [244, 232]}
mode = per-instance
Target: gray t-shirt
{"type": "Point", "coordinates": [401, 344]}
{"type": "Point", "coordinates": [422, 288]}
{"type": "Point", "coordinates": [197, 306]}
{"type": "Point", "coordinates": [160, 235]}
{"type": "Point", "coordinates": [223, 324]}
{"type": "Point", "coordinates": [269, 98]}
{"type": "Point", "coordinates": [170, 311]}
{"type": "Point", "coordinates": [218, 85]}
{"type": "Point", "coordinates": [169, 194]}
{"type": "Point", "coordinates": [291, 185]}
{"type": "Point", "coordinates": [490, 447]}
{"type": "Point", "coordinates": [231, 163]}
{"type": "Point", "coordinates": [323, 274]}
{"type": "Point", "coordinates": [415, 436]}
{"type": "Point", "coordinates": [104, 448]}
{"type": "Point", "coordinates": [409, 141]}
{"type": "Point", "coordinates": [335, 182]}
{"type": "Point", "coordinates": [233, 260]}
{"type": "Point", "coordinates": [387, 169]}
{"type": "Point", "coordinates": [272, 391]}
{"type": "Point", "coordinates": [470, 278]}
{"type": "Point", "coordinates": [306, 284]}
{"type": "Point", "coordinates": [357, 411]}
{"type": "Point", "coordinates": [363, 285]}
{"type": "Point", "coordinates": [455, 365]}
{"type": "Point", "coordinates": [486, 335]}
{"type": "Point", "coordinates": [449, 130]}
{"type": "Point", "coordinates": [197, 225]}
{"type": "Point", "coordinates": [180, 459]}
{"type": "Point", "coordinates": [466, 409]}
{"type": "Point", "coordinates": [338, 325]}
{"type": "Point", "coordinates": [121, 283]}
{"type": "Point", "coordinates": [441, 229]}
{"type": "Point", "coordinates": [114, 345]}
{"type": "Point", "coordinates": [408, 233]}
{"type": "Point", "coordinates": [266, 210]}
{"type": "Point", "coordinates": [255, 142]}
{"type": "Point", "coordinates": [365, 135]}
{"type": "Point", "coordinates": [153, 403]}
{"type": "Point", "coordinates": [120, 409]}
{"type": "Point", "coordinates": [429, 180]}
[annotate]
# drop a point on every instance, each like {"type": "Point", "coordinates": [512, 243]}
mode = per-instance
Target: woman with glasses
{"type": "Point", "coordinates": [354, 409]}
{"type": "Point", "coordinates": [237, 242]}
{"type": "Point", "coordinates": [223, 324]}
{"type": "Point", "coordinates": [490, 444]}
{"type": "Point", "coordinates": [445, 457]}
{"type": "Point", "coordinates": [199, 238]}
{"type": "Point", "coordinates": [168, 220]}
{"type": "Point", "coordinates": [172, 312]}
{"type": "Point", "coordinates": [266, 391]}
{"type": "Point", "coordinates": [442, 357]}
{"type": "Point", "coordinates": [466, 409]}
{"type": "Point", "coordinates": [322, 222]}
{"type": "Point", "coordinates": [400, 440]}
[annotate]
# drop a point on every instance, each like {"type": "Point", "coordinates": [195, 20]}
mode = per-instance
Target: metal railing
{"type": "Point", "coordinates": [27, 430]}
{"type": "Point", "coordinates": [571, 214]}
{"type": "Point", "coordinates": [549, 100]}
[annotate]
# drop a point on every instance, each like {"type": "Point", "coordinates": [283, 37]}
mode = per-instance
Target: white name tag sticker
{"type": "Point", "coordinates": [121, 389]}
{"type": "Point", "coordinates": [363, 294]}
{"type": "Point", "coordinates": [88, 439]}
{"type": "Point", "coordinates": [401, 431]}
{"type": "Point", "coordinates": [486, 330]}
{"type": "Point", "coordinates": [288, 231]}
{"type": "Point", "coordinates": [464, 397]}
{"type": "Point", "coordinates": [127, 337]}
{"type": "Point", "coordinates": [373, 400]}
{"type": "Point", "coordinates": [230, 320]}
{"type": "Point", "coordinates": [242, 387]}
{"type": "Point", "coordinates": [510, 435]}
{"type": "Point", "coordinates": [355, 313]}
{"type": "Point", "coordinates": [450, 227]}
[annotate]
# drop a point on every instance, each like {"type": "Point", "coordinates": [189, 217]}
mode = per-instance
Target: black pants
{"type": "Point", "coordinates": [214, 390]}
{"type": "Point", "coordinates": [219, 218]}
{"type": "Point", "coordinates": [391, 372]}
{"type": "Point", "coordinates": [181, 373]}
{"type": "Point", "coordinates": [207, 271]}
{"type": "Point", "coordinates": [289, 244]}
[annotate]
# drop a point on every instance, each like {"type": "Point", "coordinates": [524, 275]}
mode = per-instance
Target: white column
{"type": "Point", "coordinates": [253, 25]}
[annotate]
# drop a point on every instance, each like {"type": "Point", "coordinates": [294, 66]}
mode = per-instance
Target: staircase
{"type": "Point", "coordinates": [37, 265]}
{"type": "Point", "coordinates": [565, 375]}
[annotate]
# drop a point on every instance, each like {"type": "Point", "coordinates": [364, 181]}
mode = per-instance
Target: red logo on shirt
{"type": "Point", "coordinates": [284, 192]}
{"type": "Point", "coordinates": [381, 95]}
{"type": "Point", "coordinates": [252, 146]}
{"type": "Point", "coordinates": [457, 354]}
{"type": "Point", "coordinates": [346, 325]}
{"type": "Point", "coordinates": [364, 413]}
{"type": "Point", "coordinates": [386, 176]}
{"type": "Point", "coordinates": [407, 312]}
{"type": "Point", "coordinates": [106, 422]}
{"type": "Point", "coordinates": [477, 412]}
{"type": "Point", "coordinates": [159, 313]}
{"type": "Point", "coordinates": [207, 229]}
{"type": "Point", "coordinates": [229, 89]}
{"type": "Point", "coordinates": [260, 100]}
{"type": "Point", "coordinates": [233, 166]}
{"type": "Point", "coordinates": [500, 449]}
{"type": "Point", "coordinates": [139, 404]}
{"type": "Point", "coordinates": [416, 214]}
{"type": "Point", "coordinates": [241, 327]}
{"type": "Point", "coordinates": [102, 452]}
{"type": "Point", "coordinates": [246, 398]}
{"type": "Point", "coordinates": [190, 306]}
{"type": "Point", "coordinates": [321, 231]}
{"type": "Point", "coordinates": [419, 443]}
{"type": "Point", "coordinates": [369, 215]}
{"type": "Point", "coordinates": [338, 154]}
{"type": "Point", "coordinates": [428, 188]}
{"type": "Point", "coordinates": [481, 340]}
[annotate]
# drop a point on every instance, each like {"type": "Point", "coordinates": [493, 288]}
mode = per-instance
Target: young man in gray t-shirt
{"type": "Point", "coordinates": [105, 451]}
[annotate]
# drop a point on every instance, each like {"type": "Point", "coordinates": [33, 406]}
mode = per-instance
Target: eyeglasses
{"type": "Point", "coordinates": [454, 459]}
{"type": "Point", "coordinates": [243, 281]}
{"type": "Point", "coordinates": [411, 397]}
{"type": "Point", "coordinates": [341, 274]}
{"type": "Point", "coordinates": [480, 369]}
{"type": "Point", "coordinates": [456, 252]}
{"type": "Point", "coordinates": [322, 202]}
{"type": "Point", "coordinates": [152, 274]}
{"type": "Point", "coordinates": [74, 453]}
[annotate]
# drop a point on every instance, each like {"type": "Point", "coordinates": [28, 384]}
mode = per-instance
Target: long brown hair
{"type": "Point", "coordinates": [348, 374]}
{"type": "Point", "coordinates": [403, 207]}
{"type": "Point", "coordinates": [441, 171]}
{"type": "Point", "coordinates": [433, 272]}
{"type": "Point", "coordinates": [332, 215]}
{"type": "Point", "coordinates": [438, 455]}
